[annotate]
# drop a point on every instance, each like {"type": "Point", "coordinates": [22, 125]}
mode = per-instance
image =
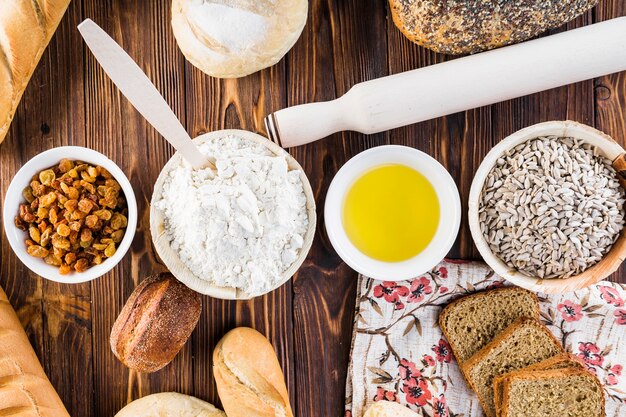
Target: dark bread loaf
{"type": "Point", "coordinates": [155, 323]}
{"type": "Point", "coordinates": [468, 26]}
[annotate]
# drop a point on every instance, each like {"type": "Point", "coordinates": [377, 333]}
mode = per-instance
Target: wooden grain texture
{"type": "Point", "coordinates": [71, 101]}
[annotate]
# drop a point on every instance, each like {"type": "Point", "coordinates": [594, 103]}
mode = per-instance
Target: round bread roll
{"type": "Point", "coordinates": [169, 404]}
{"type": "Point", "coordinates": [234, 38]}
{"type": "Point", "coordinates": [388, 409]}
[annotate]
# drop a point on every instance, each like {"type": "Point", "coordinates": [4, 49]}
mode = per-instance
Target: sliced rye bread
{"type": "Point", "coordinates": [569, 392]}
{"type": "Point", "coordinates": [523, 343]}
{"type": "Point", "coordinates": [471, 322]}
{"type": "Point", "coordinates": [562, 361]}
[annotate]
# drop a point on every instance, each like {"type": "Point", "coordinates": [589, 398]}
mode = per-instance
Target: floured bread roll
{"type": "Point", "coordinates": [234, 38]}
{"type": "Point", "coordinates": [388, 409]}
{"type": "Point", "coordinates": [169, 404]}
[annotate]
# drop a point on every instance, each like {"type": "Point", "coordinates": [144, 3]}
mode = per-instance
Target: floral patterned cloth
{"type": "Point", "coordinates": [399, 353]}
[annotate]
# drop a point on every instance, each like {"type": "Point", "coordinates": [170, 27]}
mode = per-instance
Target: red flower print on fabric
{"type": "Point", "coordinates": [428, 360]}
{"type": "Point", "coordinates": [384, 395]}
{"type": "Point", "coordinates": [497, 284]}
{"type": "Point", "coordinates": [614, 372]}
{"type": "Point", "coordinates": [419, 288]}
{"type": "Point", "coordinates": [408, 370]}
{"type": "Point", "coordinates": [391, 292]}
{"type": "Point", "coordinates": [570, 311]}
{"type": "Point", "coordinates": [443, 272]}
{"type": "Point", "coordinates": [590, 353]}
{"type": "Point", "coordinates": [611, 296]}
{"type": "Point", "coordinates": [348, 413]}
{"type": "Point", "coordinates": [439, 407]}
{"type": "Point", "coordinates": [443, 351]}
{"type": "Point", "coordinates": [621, 316]}
{"type": "Point", "coordinates": [417, 392]}
{"type": "Point", "coordinates": [443, 290]}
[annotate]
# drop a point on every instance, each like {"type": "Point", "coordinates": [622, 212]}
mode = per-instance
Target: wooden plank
{"type": "Point", "coordinates": [214, 104]}
{"type": "Point", "coordinates": [116, 129]}
{"type": "Point", "coordinates": [343, 43]}
{"type": "Point", "coordinates": [610, 100]}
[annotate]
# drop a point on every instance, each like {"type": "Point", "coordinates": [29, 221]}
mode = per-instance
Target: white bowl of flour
{"type": "Point", "coordinates": [241, 231]}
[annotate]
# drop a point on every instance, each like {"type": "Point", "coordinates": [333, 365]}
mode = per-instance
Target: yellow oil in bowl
{"type": "Point", "coordinates": [391, 213]}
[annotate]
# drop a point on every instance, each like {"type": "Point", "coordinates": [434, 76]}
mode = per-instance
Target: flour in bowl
{"type": "Point", "coordinates": [242, 228]}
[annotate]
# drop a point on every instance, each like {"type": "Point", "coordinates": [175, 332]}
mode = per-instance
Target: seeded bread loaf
{"type": "Point", "coordinates": [555, 393]}
{"type": "Point", "coordinates": [523, 343]}
{"type": "Point", "coordinates": [155, 323]}
{"type": "Point", "coordinates": [471, 322]}
{"type": "Point", "coordinates": [562, 361]}
{"type": "Point", "coordinates": [468, 26]}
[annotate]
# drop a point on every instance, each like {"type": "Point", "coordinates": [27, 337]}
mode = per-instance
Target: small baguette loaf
{"type": "Point", "coordinates": [26, 27]}
{"type": "Point", "coordinates": [25, 391]}
{"type": "Point", "coordinates": [155, 323]}
{"type": "Point", "coordinates": [249, 379]}
{"type": "Point", "coordinates": [169, 404]}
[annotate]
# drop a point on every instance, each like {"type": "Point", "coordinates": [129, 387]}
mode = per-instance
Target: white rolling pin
{"type": "Point", "coordinates": [458, 85]}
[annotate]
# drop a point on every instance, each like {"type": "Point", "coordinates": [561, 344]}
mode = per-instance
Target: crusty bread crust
{"type": "Point", "coordinates": [479, 295]}
{"type": "Point", "coordinates": [155, 323]}
{"type": "Point", "coordinates": [248, 376]}
{"type": "Point", "coordinates": [567, 359]}
{"type": "Point", "coordinates": [26, 27]}
{"type": "Point", "coordinates": [26, 389]}
{"type": "Point", "coordinates": [466, 368]}
{"type": "Point", "coordinates": [547, 374]}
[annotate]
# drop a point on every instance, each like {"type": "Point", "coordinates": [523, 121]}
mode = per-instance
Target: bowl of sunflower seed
{"type": "Point", "coordinates": [70, 214]}
{"type": "Point", "coordinates": [547, 207]}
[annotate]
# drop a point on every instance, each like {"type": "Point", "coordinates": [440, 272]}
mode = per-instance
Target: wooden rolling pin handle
{"type": "Point", "coordinates": [457, 85]}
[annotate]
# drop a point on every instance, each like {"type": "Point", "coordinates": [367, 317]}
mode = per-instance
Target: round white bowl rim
{"type": "Point", "coordinates": [13, 199]}
{"type": "Point", "coordinates": [449, 217]}
{"type": "Point", "coordinates": [605, 145]}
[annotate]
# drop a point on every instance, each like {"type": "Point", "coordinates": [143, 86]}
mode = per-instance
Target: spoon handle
{"type": "Point", "coordinates": [142, 94]}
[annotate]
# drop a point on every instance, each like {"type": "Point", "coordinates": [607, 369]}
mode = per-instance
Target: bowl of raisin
{"type": "Point", "coordinates": [70, 214]}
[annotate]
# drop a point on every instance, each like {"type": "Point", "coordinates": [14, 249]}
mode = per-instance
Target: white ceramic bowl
{"type": "Point", "coordinates": [609, 263]}
{"type": "Point", "coordinates": [170, 257]}
{"type": "Point", "coordinates": [14, 198]}
{"type": "Point", "coordinates": [449, 219]}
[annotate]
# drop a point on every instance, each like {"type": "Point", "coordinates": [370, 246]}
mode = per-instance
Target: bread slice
{"type": "Point", "coordinates": [567, 392]}
{"type": "Point", "coordinates": [562, 361]}
{"type": "Point", "coordinates": [471, 322]}
{"type": "Point", "coordinates": [523, 343]}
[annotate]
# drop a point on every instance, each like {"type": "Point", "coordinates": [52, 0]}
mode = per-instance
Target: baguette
{"type": "Point", "coordinates": [25, 390]}
{"type": "Point", "coordinates": [169, 404]}
{"type": "Point", "coordinates": [249, 379]}
{"type": "Point", "coordinates": [26, 27]}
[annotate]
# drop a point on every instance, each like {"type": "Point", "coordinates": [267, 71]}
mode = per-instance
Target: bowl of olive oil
{"type": "Point", "coordinates": [392, 212]}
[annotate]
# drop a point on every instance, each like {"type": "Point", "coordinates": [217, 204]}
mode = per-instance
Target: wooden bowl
{"type": "Point", "coordinates": [609, 263]}
{"type": "Point", "coordinates": [171, 258]}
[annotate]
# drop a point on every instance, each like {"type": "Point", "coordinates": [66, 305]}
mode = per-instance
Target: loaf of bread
{"type": "Point", "coordinates": [468, 26]}
{"type": "Point", "coordinates": [523, 343]}
{"type": "Point", "coordinates": [26, 27]}
{"type": "Point", "coordinates": [471, 322]}
{"type": "Point", "coordinates": [249, 379]}
{"type": "Point", "coordinates": [234, 38]}
{"type": "Point", "coordinates": [562, 361]}
{"type": "Point", "coordinates": [25, 390]}
{"type": "Point", "coordinates": [155, 323]}
{"type": "Point", "coordinates": [388, 409]}
{"type": "Point", "coordinates": [169, 404]}
{"type": "Point", "coordinates": [553, 393]}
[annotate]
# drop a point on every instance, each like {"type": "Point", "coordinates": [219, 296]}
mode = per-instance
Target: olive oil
{"type": "Point", "coordinates": [391, 213]}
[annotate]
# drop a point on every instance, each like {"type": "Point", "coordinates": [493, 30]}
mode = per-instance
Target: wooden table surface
{"type": "Point", "coordinates": [71, 102]}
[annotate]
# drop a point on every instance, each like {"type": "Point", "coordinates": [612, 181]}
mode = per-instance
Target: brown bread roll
{"type": "Point", "coordinates": [468, 26]}
{"type": "Point", "coordinates": [155, 323]}
{"type": "Point", "coordinates": [24, 388]}
{"type": "Point", "coordinates": [249, 379]}
{"type": "Point", "coordinates": [26, 27]}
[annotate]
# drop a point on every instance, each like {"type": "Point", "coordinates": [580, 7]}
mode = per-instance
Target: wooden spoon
{"type": "Point", "coordinates": [142, 94]}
